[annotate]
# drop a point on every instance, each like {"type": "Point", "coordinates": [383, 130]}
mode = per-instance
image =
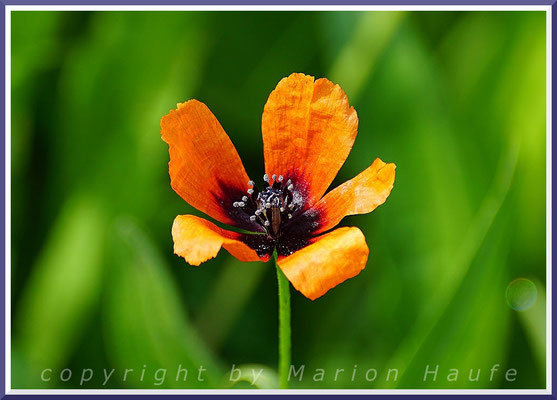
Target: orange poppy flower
{"type": "Point", "coordinates": [308, 130]}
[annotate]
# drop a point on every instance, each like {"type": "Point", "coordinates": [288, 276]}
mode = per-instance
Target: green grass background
{"type": "Point", "coordinates": [455, 99]}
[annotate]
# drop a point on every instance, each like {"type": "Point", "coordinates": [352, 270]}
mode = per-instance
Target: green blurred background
{"type": "Point", "coordinates": [455, 99]}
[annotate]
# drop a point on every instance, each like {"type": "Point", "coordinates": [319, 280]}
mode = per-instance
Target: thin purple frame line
{"type": "Point", "coordinates": [283, 2]}
{"type": "Point", "coordinates": [553, 183]}
{"type": "Point", "coordinates": [2, 179]}
{"type": "Point", "coordinates": [3, 203]}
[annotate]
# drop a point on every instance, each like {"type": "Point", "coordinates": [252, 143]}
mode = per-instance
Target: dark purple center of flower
{"type": "Point", "coordinates": [276, 217]}
{"type": "Point", "coordinates": [272, 207]}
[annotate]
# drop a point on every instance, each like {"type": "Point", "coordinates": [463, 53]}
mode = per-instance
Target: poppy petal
{"type": "Point", "coordinates": [330, 259]}
{"type": "Point", "coordinates": [205, 168]}
{"type": "Point", "coordinates": [308, 130]}
{"type": "Point", "coordinates": [198, 240]}
{"type": "Point", "coordinates": [361, 194]}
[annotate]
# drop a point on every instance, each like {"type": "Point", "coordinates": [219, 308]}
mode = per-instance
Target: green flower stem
{"type": "Point", "coordinates": [284, 326]}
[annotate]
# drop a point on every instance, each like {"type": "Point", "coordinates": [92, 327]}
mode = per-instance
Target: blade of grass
{"type": "Point", "coordinates": [356, 61]}
{"type": "Point", "coordinates": [492, 202]}
{"type": "Point", "coordinates": [62, 291]}
{"type": "Point", "coordinates": [232, 289]}
{"type": "Point", "coordinates": [146, 323]}
{"type": "Point", "coordinates": [533, 321]}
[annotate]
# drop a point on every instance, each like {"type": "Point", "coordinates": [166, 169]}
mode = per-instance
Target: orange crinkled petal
{"type": "Point", "coordinates": [361, 194]}
{"type": "Point", "coordinates": [308, 131]}
{"type": "Point", "coordinates": [198, 240]}
{"type": "Point", "coordinates": [205, 168]}
{"type": "Point", "coordinates": [330, 259]}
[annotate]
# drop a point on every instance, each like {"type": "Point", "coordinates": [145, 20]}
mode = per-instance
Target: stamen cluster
{"type": "Point", "coordinates": [272, 206]}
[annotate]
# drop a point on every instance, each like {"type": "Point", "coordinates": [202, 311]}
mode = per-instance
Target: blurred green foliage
{"type": "Point", "coordinates": [455, 99]}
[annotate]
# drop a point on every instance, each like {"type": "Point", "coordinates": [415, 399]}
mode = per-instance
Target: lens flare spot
{"type": "Point", "coordinates": [521, 294]}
